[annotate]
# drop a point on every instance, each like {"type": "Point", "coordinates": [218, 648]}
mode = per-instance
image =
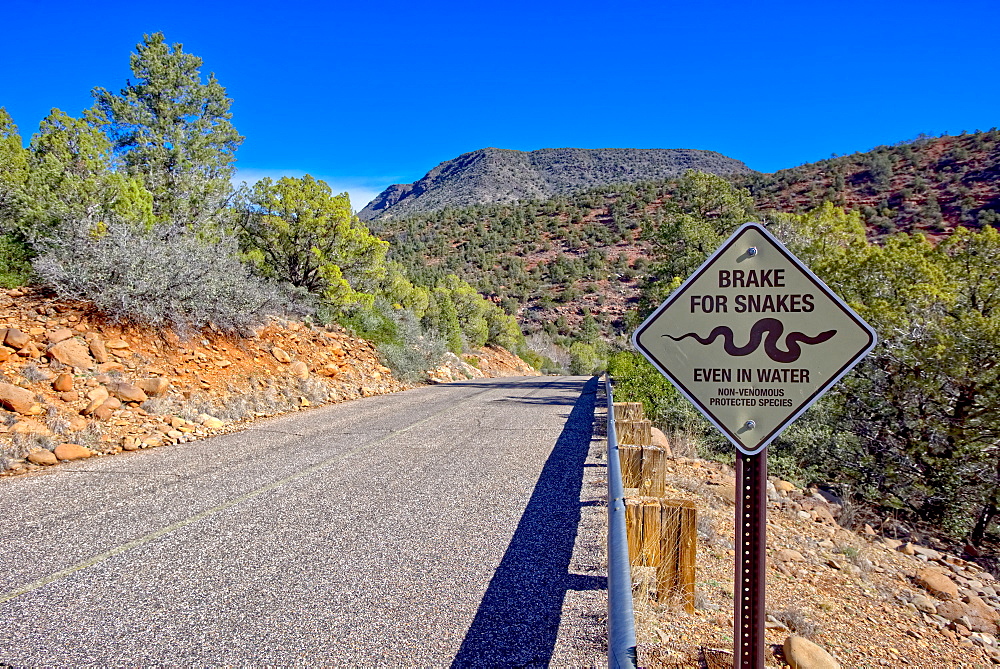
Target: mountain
{"type": "Point", "coordinates": [502, 175]}
{"type": "Point", "coordinates": [577, 261]}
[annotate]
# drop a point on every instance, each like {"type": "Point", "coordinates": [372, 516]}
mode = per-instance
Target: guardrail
{"type": "Point", "coordinates": [621, 619]}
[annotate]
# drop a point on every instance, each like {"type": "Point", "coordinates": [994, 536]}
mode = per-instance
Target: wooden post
{"type": "Point", "coordinates": [654, 473]}
{"type": "Point", "coordinates": [634, 432]}
{"type": "Point", "coordinates": [633, 529]}
{"type": "Point", "coordinates": [676, 571]}
{"type": "Point", "coordinates": [630, 458]}
{"type": "Point", "coordinates": [628, 411]}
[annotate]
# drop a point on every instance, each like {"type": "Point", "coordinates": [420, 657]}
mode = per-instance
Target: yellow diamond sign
{"type": "Point", "coordinates": [753, 338]}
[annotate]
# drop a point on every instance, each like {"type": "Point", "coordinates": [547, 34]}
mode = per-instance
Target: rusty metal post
{"type": "Point", "coordinates": [751, 536]}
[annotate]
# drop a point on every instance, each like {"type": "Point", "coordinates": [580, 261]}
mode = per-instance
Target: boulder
{"type": "Point", "coordinates": [801, 653]}
{"type": "Point", "coordinates": [63, 383]}
{"type": "Point", "coordinates": [154, 386]}
{"type": "Point", "coordinates": [937, 583]}
{"type": "Point", "coordinates": [280, 355]}
{"type": "Point", "coordinates": [19, 400]}
{"type": "Point", "coordinates": [72, 452]}
{"type": "Point", "coordinates": [62, 334]}
{"type": "Point", "coordinates": [660, 440]}
{"type": "Point", "coordinates": [127, 392]}
{"type": "Point", "coordinates": [72, 353]}
{"type": "Point", "coordinates": [42, 457]}
{"type": "Point", "coordinates": [16, 339]}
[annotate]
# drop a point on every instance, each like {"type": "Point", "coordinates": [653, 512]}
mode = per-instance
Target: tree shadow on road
{"type": "Point", "coordinates": [518, 618]}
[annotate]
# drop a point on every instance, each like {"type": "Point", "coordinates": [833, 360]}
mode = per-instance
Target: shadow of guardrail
{"type": "Point", "coordinates": [518, 618]}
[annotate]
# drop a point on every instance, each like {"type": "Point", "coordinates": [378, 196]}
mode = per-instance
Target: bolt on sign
{"type": "Point", "coordinates": [753, 338]}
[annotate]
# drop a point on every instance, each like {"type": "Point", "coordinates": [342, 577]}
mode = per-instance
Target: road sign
{"type": "Point", "coordinates": [753, 338]}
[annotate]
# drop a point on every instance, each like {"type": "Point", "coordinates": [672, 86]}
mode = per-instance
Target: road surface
{"type": "Point", "coordinates": [454, 525]}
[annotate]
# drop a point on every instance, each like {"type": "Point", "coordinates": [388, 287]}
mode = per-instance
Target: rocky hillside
{"type": "Point", "coordinates": [882, 596]}
{"type": "Point", "coordinates": [503, 175]}
{"type": "Point", "coordinates": [73, 385]}
{"type": "Point", "coordinates": [930, 184]}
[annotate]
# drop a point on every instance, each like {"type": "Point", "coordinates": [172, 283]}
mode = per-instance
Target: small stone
{"type": "Point", "coordinates": [869, 530]}
{"type": "Point", "coordinates": [907, 549]}
{"type": "Point", "coordinates": [43, 457]}
{"type": "Point", "coordinates": [280, 355]}
{"type": "Point", "coordinates": [213, 424]}
{"type": "Point", "coordinates": [77, 423]}
{"type": "Point", "coordinates": [116, 344]}
{"type": "Point", "coordinates": [800, 653]}
{"type": "Point", "coordinates": [63, 383]}
{"type": "Point", "coordinates": [892, 544]}
{"type": "Point", "coordinates": [5, 353]}
{"type": "Point", "coordinates": [175, 434]}
{"type": "Point", "coordinates": [70, 396]}
{"type": "Point", "coordinates": [72, 452]}
{"type": "Point", "coordinates": [299, 369]}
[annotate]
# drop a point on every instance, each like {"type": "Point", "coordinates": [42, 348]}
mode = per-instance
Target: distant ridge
{"type": "Point", "coordinates": [504, 175]}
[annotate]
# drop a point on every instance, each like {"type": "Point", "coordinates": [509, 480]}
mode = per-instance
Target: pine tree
{"type": "Point", "coordinates": [172, 130]}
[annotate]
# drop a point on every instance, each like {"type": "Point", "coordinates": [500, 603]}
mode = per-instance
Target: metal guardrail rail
{"type": "Point", "coordinates": [621, 618]}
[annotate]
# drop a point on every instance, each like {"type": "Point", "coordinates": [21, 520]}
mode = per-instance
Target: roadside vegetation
{"type": "Point", "coordinates": [131, 206]}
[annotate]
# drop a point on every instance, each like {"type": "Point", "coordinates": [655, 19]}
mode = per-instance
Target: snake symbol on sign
{"type": "Point", "coordinates": [774, 329]}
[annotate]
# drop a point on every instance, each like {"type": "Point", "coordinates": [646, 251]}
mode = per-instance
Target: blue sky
{"type": "Point", "coordinates": [368, 94]}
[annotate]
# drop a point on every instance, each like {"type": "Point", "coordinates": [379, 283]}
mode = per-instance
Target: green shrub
{"type": "Point", "coordinates": [15, 261]}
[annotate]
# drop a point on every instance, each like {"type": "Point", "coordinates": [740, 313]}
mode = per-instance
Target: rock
{"type": "Point", "coordinates": [660, 440]}
{"type": "Point", "coordinates": [116, 344]}
{"type": "Point", "coordinates": [72, 353]}
{"type": "Point", "coordinates": [69, 396]}
{"type": "Point", "coordinates": [789, 555]}
{"type": "Point", "coordinates": [982, 617]}
{"type": "Point", "coordinates": [937, 583]}
{"type": "Point", "coordinates": [106, 368]}
{"type": "Point", "coordinates": [43, 457]}
{"type": "Point", "coordinates": [929, 553]}
{"type": "Point", "coordinates": [154, 387]}
{"type": "Point", "coordinates": [62, 334]}
{"type": "Point", "coordinates": [5, 353]}
{"type": "Point", "coordinates": [97, 397]}
{"type": "Point", "coordinates": [63, 383]}
{"type": "Point", "coordinates": [299, 369]}
{"type": "Point", "coordinates": [783, 486]}
{"type": "Point", "coordinates": [907, 549]}
{"type": "Point", "coordinates": [801, 653]}
{"type": "Point", "coordinates": [97, 349]}
{"type": "Point", "coordinates": [72, 452]}
{"type": "Point", "coordinates": [77, 423]}
{"type": "Point", "coordinates": [30, 351]}
{"type": "Point", "coordinates": [19, 400]}
{"type": "Point", "coordinates": [127, 392]}
{"type": "Point", "coordinates": [869, 530]}
{"type": "Point", "coordinates": [924, 604]}
{"type": "Point", "coordinates": [280, 355]}
{"type": "Point", "coordinates": [29, 426]}
{"type": "Point", "coordinates": [16, 339]}
{"type": "Point", "coordinates": [892, 544]}
{"type": "Point", "coordinates": [213, 424]}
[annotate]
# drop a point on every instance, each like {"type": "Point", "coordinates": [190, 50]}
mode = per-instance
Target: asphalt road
{"type": "Point", "coordinates": [453, 525]}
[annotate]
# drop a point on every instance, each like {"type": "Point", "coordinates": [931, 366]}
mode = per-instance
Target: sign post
{"type": "Point", "coordinates": [753, 339]}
